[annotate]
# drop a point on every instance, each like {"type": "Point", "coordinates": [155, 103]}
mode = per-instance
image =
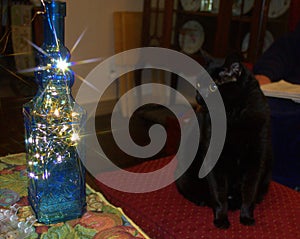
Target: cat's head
{"type": "Point", "coordinates": [230, 71]}
{"type": "Point", "coordinates": [230, 78]}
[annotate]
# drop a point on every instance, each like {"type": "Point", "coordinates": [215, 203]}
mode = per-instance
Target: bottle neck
{"type": "Point", "coordinates": [54, 23]}
{"type": "Point", "coordinates": [54, 47]}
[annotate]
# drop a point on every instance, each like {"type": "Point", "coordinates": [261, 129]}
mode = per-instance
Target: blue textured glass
{"type": "Point", "coordinates": [54, 128]}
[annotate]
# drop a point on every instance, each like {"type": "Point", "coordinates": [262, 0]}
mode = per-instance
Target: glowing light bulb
{"type": "Point", "coordinates": [75, 137]}
{"type": "Point", "coordinates": [59, 159]}
{"type": "Point", "coordinates": [56, 112]}
{"type": "Point", "coordinates": [62, 65]}
{"type": "Point", "coordinates": [64, 128]}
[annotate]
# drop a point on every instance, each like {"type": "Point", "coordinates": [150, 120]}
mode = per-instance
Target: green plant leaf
{"type": "Point", "coordinates": [83, 232]}
{"type": "Point", "coordinates": [60, 232]}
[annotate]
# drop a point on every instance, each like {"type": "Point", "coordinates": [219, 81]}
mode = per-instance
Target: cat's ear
{"type": "Point", "coordinates": [206, 58]}
{"type": "Point", "coordinates": [209, 61]}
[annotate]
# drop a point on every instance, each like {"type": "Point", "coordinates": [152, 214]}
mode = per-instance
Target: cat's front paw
{"type": "Point", "coordinates": [246, 216]}
{"type": "Point", "coordinates": [222, 223]}
{"type": "Point", "coordinates": [247, 221]}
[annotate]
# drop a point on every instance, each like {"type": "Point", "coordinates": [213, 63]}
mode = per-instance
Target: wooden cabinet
{"type": "Point", "coordinates": [215, 26]}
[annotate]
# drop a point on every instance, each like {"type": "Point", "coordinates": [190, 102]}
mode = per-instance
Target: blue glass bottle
{"type": "Point", "coordinates": [54, 128]}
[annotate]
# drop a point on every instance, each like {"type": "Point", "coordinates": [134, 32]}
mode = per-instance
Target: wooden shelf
{"type": "Point", "coordinates": [224, 32]}
{"type": "Point", "coordinates": [247, 19]}
{"type": "Point", "coordinates": [200, 13]}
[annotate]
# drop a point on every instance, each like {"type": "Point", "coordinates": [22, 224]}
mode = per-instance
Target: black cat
{"type": "Point", "coordinates": [242, 174]}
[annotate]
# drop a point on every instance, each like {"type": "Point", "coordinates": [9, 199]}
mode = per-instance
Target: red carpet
{"type": "Point", "coordinates": [165, 214]}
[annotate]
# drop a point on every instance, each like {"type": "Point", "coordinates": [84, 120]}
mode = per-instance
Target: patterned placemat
{"type": "Point", "coordinates": [101, 220]}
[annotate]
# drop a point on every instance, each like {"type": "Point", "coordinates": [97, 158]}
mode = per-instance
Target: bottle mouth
{"type": "Point", "coordinates": [56, 7]}
{"type": "Point", "coordinates": [54, 1]}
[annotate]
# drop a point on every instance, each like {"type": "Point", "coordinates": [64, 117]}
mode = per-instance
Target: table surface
{"type": "Point", "coordinates": [101, 220]}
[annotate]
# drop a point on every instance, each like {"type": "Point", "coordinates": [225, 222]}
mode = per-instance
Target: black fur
{"type": "Point", "coordinates": [243, 172]}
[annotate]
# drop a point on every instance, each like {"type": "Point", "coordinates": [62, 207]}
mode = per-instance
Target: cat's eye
{"type": "Point", "coordinates": [213, 87]}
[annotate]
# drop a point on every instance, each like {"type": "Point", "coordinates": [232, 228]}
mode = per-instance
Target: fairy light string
{"type": "Point", "coordinates": [58, 131]}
